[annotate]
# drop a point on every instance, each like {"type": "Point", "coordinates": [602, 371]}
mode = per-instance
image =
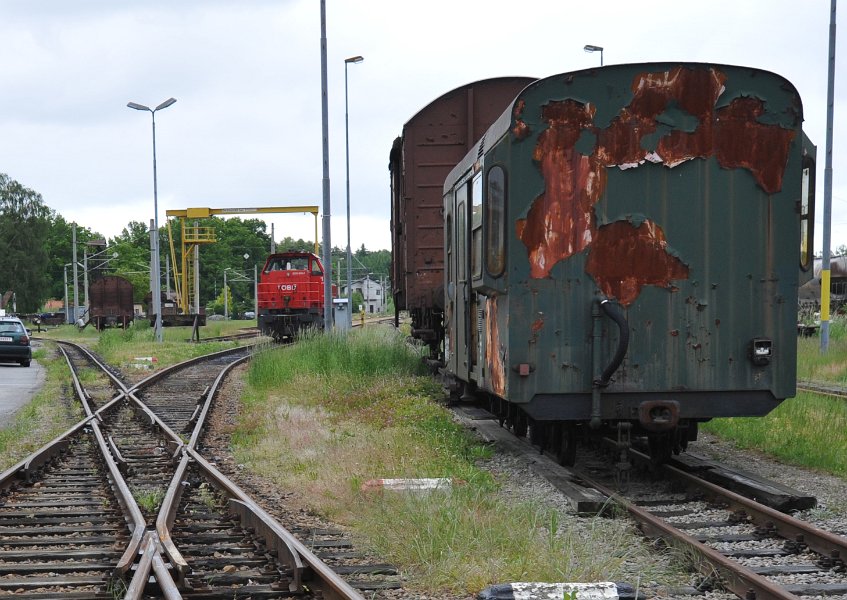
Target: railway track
{"type": "Point", "coordinates": [825, 389]}
{"type": "Point", "coordinates": [740, 545]}
{"type": "Point", "coordinates": [743, 546]}
{"type": "Point", "coordinates": [124, 505]}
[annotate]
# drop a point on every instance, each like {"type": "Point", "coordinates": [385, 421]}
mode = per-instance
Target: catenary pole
{"type": "Point", "coordinates": [326, 255]}
{"type": "Point", "coordinates": [827, 186]}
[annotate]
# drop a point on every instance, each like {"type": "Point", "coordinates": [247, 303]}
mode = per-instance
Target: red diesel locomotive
{"type": "Point", "coordinates": [291, 294]}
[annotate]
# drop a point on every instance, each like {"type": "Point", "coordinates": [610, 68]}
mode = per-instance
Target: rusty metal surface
{"type": "Point", "coordinates": [111, 301]}
{"type": "Point", "coordinates": [125, 445]}
{"type": "Point", "coordinates": [432, 142]}
{"type": "Point", "coordinates": [670, 189]}
{"type": "Point", "coordinates": [329, 583]}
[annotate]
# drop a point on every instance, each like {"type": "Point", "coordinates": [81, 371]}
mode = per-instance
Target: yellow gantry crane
{"type": "Point", "coordinates": [193, 236]}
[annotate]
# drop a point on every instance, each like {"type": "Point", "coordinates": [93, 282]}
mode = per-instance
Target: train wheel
{"type": "Point", "coordinates": [566, 452]}
{"type": "Point", "coordinates": [537, 434]}
{"type": "Point", "coordinates": [521, 425]}
{"type": "Point", "coordinates": [661, 447]}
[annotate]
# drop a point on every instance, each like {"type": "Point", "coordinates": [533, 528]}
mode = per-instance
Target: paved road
{"type": "Point", "coordinates": [17, 387]}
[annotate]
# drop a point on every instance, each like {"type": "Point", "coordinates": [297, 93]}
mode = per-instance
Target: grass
{"type": "Point", "coordinates": [120, 347]}
{"type": "Point", "coordinates": [325, 416]}
{"type": "Point", "coordinates": [809, 430]}
{"type": "Point", "coordinates": [42, 419]}
{"type": "Point", "coordinates": [333, 412]}
{"type": "Point", "coordinates": [149, 500]}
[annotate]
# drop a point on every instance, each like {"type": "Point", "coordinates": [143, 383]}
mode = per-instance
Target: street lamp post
{"type": "Point", "coordinates": [348, 61]}
{"type": "Point", "coordinates": [591, 48]}
{"type": "Point", "coordinates": [155, 277]}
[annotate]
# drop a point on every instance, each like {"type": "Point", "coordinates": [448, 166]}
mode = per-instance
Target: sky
{"type": "Point", "coordinates": [246, 128]}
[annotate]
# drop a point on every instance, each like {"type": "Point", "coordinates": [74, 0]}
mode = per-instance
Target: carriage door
{"type": "Point", "coordinates": [450, 281]}
{"type": "Point", "coordinates": [476, 300]}
{"type": "Point", "coordinates": [461, 255]}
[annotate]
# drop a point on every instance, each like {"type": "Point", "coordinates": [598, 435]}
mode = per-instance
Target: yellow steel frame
{"type": "Point", "coordinates": [193, 237]}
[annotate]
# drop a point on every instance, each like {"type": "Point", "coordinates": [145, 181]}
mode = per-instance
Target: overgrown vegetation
{"type": "Point", "coordinates": [809, 430]}
{"type": "Point", "coordinates": [334, 412]}
{"type": "Point", "coordinates": [122, 347]}
{"type": "Point", "coordinates": [43, 419]}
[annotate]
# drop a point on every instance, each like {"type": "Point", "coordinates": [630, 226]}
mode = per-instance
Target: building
{"type": "Point", "coordinates": [373, 294]}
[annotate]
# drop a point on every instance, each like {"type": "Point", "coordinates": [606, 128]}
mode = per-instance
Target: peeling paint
{"type": "Point", "coordinates": [495, 355]}
{"type": "Point", "coordinates": [672, 117]}
{"type": "Point", "coordinates": [561, 221]}
{"type": "Point", "coordinates": [521, 129]}
{"type": "Point", "coordinates": [624, 258]}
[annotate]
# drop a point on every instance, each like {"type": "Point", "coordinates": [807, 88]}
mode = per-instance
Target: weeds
{"type": "Point", "coordinates": [149, 500]}
{"type": "Point", "coordinates": [334, 411]}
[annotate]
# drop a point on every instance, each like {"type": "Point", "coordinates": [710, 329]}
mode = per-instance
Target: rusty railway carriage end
{"type": "Point", "coordinates": [623, 249]}
{"type": "Point", "coordinates": [290, 289]}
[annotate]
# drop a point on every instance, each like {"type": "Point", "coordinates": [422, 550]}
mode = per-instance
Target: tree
{"type": "Point", "coordinates": [59, 247]}
{"type": "Point", "coordinates": [24, 225]}
{"type": "Point", "coordinates": [133, 261]}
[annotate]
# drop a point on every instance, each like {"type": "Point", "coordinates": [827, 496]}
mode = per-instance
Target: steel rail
{"type": "Point", "coordinates": [266, 527]}
{"type": "Point", "coordinates": [120, 384]}
{"type": "Point", "coordinates": [135, 520]}
{"type": "Point", "coordinates": [739, 580]}
{"type": "Point", "coordinates": [815, 388]}
{"type": "Point", "coordinates": [132, 514]}
{"type": "Point", "coordinates": [151, 560]}
{"type": "Point", "coordinates": [136, 523]}
{"type": "Point", "coordinates": [210, 394]}
{"type": "Point", "coordinates": [822, 542]}
{"type": "Point", "coordinates": [317, 573]}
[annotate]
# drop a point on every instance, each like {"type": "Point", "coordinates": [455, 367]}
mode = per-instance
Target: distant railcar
{"type": "Point", "coordinates": [110, 302]}
{"type": "Point", "coordinates": [291, 294]}
{"type": "Point", "coordinates": [431, 143]}
{"type": "Point", "coordinates": [623, 249]}
{"type": "Point", "coordinates": [172, 315]}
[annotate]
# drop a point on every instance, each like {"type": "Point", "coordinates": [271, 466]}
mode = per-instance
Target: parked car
{"type": "Point", "coordinates": [14, 341]}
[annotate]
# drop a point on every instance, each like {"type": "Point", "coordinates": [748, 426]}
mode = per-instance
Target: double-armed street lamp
{"type": "Point", "coordinates": [155, 276]}
{"type": "Point", "coordinates": [348, 61]}
{"type": "Point", "coordinates": [592, 48]}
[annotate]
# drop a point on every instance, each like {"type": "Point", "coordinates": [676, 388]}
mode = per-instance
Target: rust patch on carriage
{"type": "Point", "coordinates": [561, 220]}
{"type": "Point", "coordinates": [521, 129]}
{"type": "Point", "coordinates": [672, 118]}
{"type": "Point", "coordinates": [744, 142]}
{"type": "Point", "coordinates": [625, 257]}
{"type": "Point", "coordinates": [691, 92]}
{"type": "Point", "coordinates": [495, 355]}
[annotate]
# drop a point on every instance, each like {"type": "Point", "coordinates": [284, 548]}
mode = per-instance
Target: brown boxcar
{"type": "Point", "coordinates": [110, 302]}
{"type": "Point", "coordinates": [431, 144]}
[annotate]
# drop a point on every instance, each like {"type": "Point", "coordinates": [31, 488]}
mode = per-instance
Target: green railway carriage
{"type": "Point", "coordinates": [624, 247]}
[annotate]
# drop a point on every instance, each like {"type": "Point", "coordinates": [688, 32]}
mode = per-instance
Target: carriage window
{"type": "Point", "coordinates": [807, 203]}
{"type": "Point", "coordinates": [296, 263]}
{"type": "Point", "coordinates": [476, 226]}
{"type": "Point", "coordinates": [461, 199]}
{"type": "Point", "coordinates": [495, 222]}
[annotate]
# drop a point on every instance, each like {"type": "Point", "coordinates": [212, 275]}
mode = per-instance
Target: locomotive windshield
{"type": "Point", "coordinates": [288, 263]}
